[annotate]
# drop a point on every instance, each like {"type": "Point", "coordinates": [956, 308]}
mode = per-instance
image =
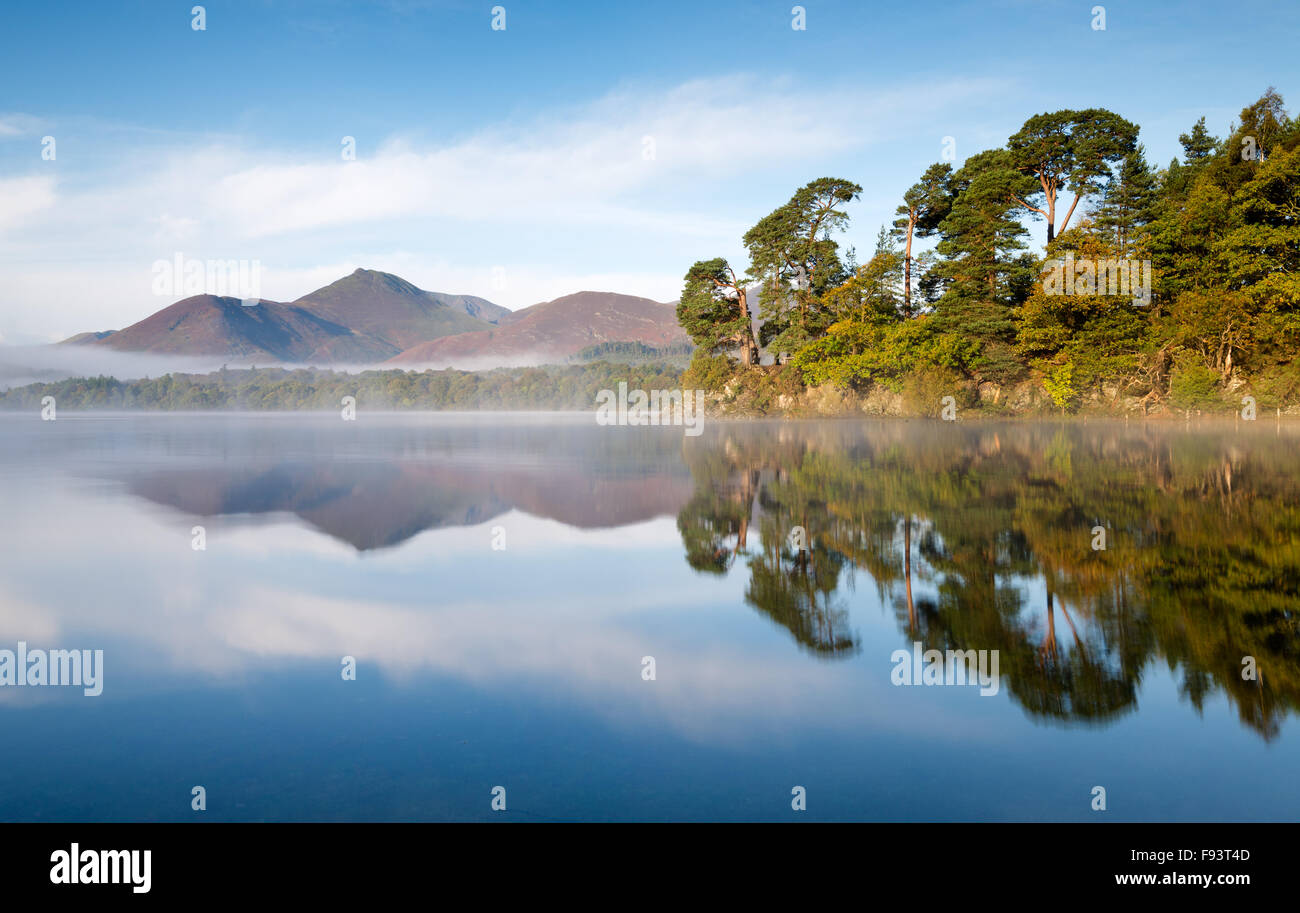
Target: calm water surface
{"type": "Point", "coordinates": [522, 666]}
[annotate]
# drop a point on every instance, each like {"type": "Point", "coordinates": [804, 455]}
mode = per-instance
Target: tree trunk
{"type": "Point", "coordinates": [1049, 640]}
{"type": "Point", "coordinates": [907, 266]}
{"type": "Point", "coordinates": [907, 570]}
{"type": "Point", "coordinates": [1050, 194]}
{"type": "Point", "coordinates": [748, 349]}
{"type": "Point", "coordinates": [747, 490]}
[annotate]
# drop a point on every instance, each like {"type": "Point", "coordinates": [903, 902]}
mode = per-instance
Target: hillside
{"type": "Point", "coordinates": [371, 317]}
{"type": "Point", "coordinates": [554, 330]}
{"type": "Point", "coordinates": [220, 326]}
{"type": "Point", "coordinates": [362, 318]}
{"type": "Point", "coordinates": [393, 311]}
{"type": "Point", "coordinates": [84, 338]}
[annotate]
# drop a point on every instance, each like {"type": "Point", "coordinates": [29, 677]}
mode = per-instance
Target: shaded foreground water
{"type": "Point", "coordinates": [522, 665]}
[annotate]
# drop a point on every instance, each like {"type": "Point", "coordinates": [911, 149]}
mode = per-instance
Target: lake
{"type": "Point", "coordinates": [629, 623]}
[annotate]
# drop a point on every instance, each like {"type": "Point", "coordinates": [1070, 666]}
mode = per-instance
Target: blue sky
{"type": "Point", "coordinates": [513, 164]}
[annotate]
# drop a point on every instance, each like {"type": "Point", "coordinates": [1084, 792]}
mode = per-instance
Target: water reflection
{"type": "Point", "coordinates": [1200, 569]}
{"type": "Point", "coordinates": [975, 537]}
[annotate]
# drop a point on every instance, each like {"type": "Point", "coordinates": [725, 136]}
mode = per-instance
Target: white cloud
{"type": "Point", "coordinates": [18, 125]}
{"type": "Point", "coordinates": [24, 198]}
{"type": "Point", "coordinates": [563, 202]}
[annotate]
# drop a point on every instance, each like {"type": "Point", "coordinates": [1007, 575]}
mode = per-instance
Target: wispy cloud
{"type": "Point", "coordinates": [617, 193]}
{"type": "Point", "coordinates": [12, 125]}
{"type": "Point", "coordinates": [24, 198]}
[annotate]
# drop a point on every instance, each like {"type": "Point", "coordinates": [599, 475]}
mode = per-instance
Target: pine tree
{"type": "Point", "coordinates": [980, 268]}
{"type": "Point", "coordinates": [1198, 145]}
{"type": "Point", "coordinates": [713, 309]}
{"type": "Point", "coordinates": [1128, 204]}
{"type": "Point", "coordinates": [925, 204]}
{"type": "Point", "coordinates": [1067, 151]}
{"type": "Point", "coordinates": [794, 258]}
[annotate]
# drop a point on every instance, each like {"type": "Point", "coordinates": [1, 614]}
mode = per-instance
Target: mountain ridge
{"type": "Point", "coordinates": [559, 328]}
{"type": "Point", "coordinates": [370, 317]}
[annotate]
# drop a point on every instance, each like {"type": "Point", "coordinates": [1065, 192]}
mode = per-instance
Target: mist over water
{"type": "Point", "coordinates": [522, 664]}
{"type": "Point", "coordinates": [22, 365]}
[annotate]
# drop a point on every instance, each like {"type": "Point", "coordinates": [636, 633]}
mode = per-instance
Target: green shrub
{"type": "Point", "coordinates": [1276, 386]}
{"type": "Point", "coordinates": [1058, 381]}
{"type": "Point", "coordinates": [757, 390]}
{"type": "Point", "coordinates": [924, 389]}
{"type": "Point", "coordinates": [1193, 385]}
{"type": "Point", "coordinates": [708, 372]}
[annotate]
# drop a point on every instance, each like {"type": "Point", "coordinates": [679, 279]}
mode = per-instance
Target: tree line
{"type": "Point", "coordinates": [1218, 231]}
{"type": "Point", "coordinates": [565, 387]}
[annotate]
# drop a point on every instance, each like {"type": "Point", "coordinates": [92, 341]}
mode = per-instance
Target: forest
{"type": "Point", "coordinates": [954, 301]}
{"type": "Point", "coordinates": [569, 387]}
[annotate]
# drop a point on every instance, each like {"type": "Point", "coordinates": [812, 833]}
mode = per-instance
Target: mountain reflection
{"type": "Point", "coordinates": [435, 478]}
{"type": "Point", "coordinates": [1200, 567]}
{"type": "Point", "coordinates": [975, 537]}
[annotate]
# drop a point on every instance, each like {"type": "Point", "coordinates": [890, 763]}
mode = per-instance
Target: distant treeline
{"type": "Point", "coordinates": [548, 387]}
{"type": "Point", "coordinates": [678, 354]}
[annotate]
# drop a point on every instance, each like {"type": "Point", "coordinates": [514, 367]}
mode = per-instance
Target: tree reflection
{"type": "Point", "coordinates": [982, 538]}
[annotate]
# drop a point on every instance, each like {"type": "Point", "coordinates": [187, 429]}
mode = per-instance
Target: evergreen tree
{"type": "Point", "coordinates": [925, 205]}
{"type": "Point", "coordinates": [980, 239]}
{"type": "Point", "coordinates": [1129, 201]}
{"type": "Point", "coordinates": [1198, 145]}
{"type": "Point", "coordinates": [795, 259]}
{"type": "Point", "coordinates": [1068, 151]}
{"type": "Point", "coordinates": [714, 311]}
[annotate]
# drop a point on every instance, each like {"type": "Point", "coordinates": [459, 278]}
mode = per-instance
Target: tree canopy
{"type": "Point", "coordinates": [1183, 286]}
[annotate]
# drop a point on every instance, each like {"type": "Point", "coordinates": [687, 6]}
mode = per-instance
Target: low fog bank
{"type": "Point", "coordinates": [22, 365]}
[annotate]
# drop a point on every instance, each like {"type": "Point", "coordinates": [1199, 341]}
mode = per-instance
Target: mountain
{"type": "Point", "coordinates": [363, 318]}
{"type": "Point", "coordinates": [390, 309]}
{"type": "Point", "coordinates": [371, 317]}
{"type": "Point", "coordinates": [267, 332]}
{"type": "Point", "coordinates": [553, 330]}
{"type": "Point", "coordinates": [478, 308]}
{"type": "Point", "coordinates": [83, 338]}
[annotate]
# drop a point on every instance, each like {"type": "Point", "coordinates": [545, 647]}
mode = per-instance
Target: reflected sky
{"type": "Point", "coordinates": [522, 666]}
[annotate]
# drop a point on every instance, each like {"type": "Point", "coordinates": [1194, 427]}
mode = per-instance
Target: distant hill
{"type": "Point", "coordinates": [478, 308]}
{"type": "Point", "coordinates": [554, 330]}
{"type": "Point", "coordinates": [390, 309]}
{"type": "Point", "coordinates": [371, 317]}
{"type": "Point", "coordinates": [269, 331]}
{"type": "Point", "coordinates": [363, 318]}
{"type": "Point", "coordinates": [83, 338]}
